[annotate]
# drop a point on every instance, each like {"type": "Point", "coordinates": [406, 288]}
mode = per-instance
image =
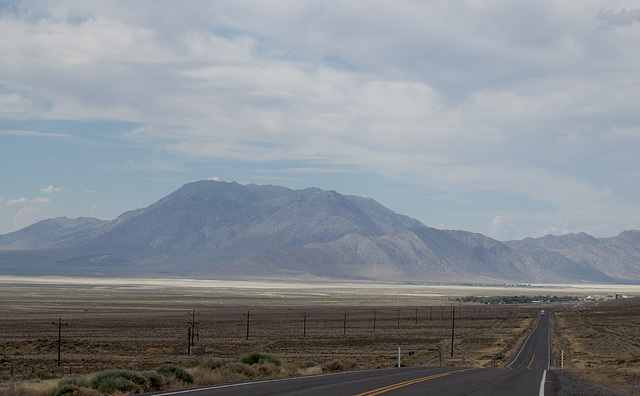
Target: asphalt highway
{"type": "Point", "coordinates": [525, 375]}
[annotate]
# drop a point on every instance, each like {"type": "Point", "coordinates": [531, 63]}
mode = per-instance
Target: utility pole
{"type": "Point", "coordinates": [304, 321]}
{"type": "Point", "coordinates": [247, 325]}
{"type": "Point", "coordinates": [374, 319]}
{"type": "Point", "coordinates": [453, 322]}
{"type": "Point", "coordinates": [193, 334]}
{"type": "Point", "coordinates": [60, 324]}
{"type": "Point", "coordinates": [345, 323]}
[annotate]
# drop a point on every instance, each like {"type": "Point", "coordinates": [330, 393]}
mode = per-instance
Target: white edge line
{"type": "Point", "coordinates": [544, 377]}
{"type": "Point", "coordinates": [221, 386]}
{"type": "Point", "coordinates": [549, 344]}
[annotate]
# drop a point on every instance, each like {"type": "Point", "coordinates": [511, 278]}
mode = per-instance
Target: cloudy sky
{"type": "Point", "coordinates": [510, 118]}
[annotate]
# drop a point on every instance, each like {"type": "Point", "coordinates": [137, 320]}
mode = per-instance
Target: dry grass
{"type": "Point", "coordinates": [141, 329]}
{"type": "Point", "coordinates": [602, 343]}
{"type": "Point", "coordinates": [138, 330]}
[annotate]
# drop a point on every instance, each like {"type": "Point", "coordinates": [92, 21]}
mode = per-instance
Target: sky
{"type": "Point", "coordinates": [509, 118]}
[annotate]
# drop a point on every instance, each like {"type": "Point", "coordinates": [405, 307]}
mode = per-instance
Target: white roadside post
{"type": "Point", "coordinates": [398, 356]}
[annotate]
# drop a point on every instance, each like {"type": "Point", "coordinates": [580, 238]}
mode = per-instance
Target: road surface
{"type": "Point", "coordinates": [525, 375]}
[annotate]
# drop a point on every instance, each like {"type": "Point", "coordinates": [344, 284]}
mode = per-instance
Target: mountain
{"type": "Point", "coordinates": [59, 232]}
{"type": "Point", "coordinates": [618, 257]}
{"type": "Point", "coordinates": [219, 229]}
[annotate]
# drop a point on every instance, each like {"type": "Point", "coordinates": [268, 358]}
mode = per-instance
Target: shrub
{"type": "Point", "coordinates": [267, 370]}
{"type": "Point", "coordinates": [127, 381]}
{"type": "Point", "coordinates": [259, 358]}
{"type": "Point", "coordinates": [154, 380]}
{"type": "Point", "coordinates": [73, 386]}
{"type": "Point", "coordinates": [204, 376]}
{"type": "Point", "coordinates": [211, 364]}
{"type": "Point", "coordinates": [244, 370]}
{"type": "Point", "coordinates": [340, 365]}
{"type": "Point", "coordinates": [77, 381]}
{"type": "Point", "coordinates": [307, 364]}
{"type": "Point", "coordinates": [310, 370]}
{"type": "Point", "coordinates": [74, 390]}
{"type": "Point", "coordinates": [178, 372]}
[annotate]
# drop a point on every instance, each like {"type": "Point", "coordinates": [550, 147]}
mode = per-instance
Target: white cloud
{"type": "Point", "coordinates": [467, 97]}
{"type": "Point", "coordinates": [611, 18]}
{"type": "Point", "coordinates": [41, 200]}
{"type": "Point", "coordinates": [154, 165]}
{"type": "Point", "coordinates": [51, 189]}
{"type": "Point", "coordinates": [501, 228]}
{"type": "Point", "coordinates": [19, 201]}
{"type": "Point", "coordinates": [557, 231]}
{"type": "Point", "coordinates": [28, 215]}
{"type": "Point", "coordinates": [33, 133]}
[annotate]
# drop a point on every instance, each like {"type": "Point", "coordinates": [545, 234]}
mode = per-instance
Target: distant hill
{"type": "Point", "coordinates": [219, 229]}
{"type": "Point", "coordinates": [59, 232]}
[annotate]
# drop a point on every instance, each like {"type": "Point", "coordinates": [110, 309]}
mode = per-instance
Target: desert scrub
{"type": "Point", "coordinates": [211, 364]}
{"type": "Point", "coordinates": [116, 381]}
{"type": "Point", "coordinates": [307, 364]}
{"type": "Point", "coordinates": [73, 390]}
{"type": "Point", "coordinates": [340, 365]}
{"type": "Point", "coordinates": [73, 386]}
{"type": "Point", "coordinates": [155, 381]}
{"type": "Point", "coordinates": [169, 370]}
{"type": "Point", "coordinates": [259, 358]}
{"type": "Point", "coordinates": [120, 380]}
{"type": "Point", "coordinates": [240, 368]}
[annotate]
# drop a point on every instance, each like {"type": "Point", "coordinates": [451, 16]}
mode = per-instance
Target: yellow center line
{"type": "Point", "coordinates": [407, 383]}
{"type": "Point", "coordinates": [531, 362]}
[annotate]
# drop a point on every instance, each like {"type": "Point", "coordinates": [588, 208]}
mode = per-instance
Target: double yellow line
{"type": "Point", "coordinates": [410, 382]}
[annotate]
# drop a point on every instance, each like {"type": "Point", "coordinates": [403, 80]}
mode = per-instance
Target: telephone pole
{"type": "Point", "coordinates": [374, 319]}
{"type": "Point", "coordinates": [60, 324]}
{"type": "Point", "coordinates": [247, 325]}
{"type": "Point", "coordinates": [193, 334]}
{"type": "Point", "coordinates": [345, 323]}
{"type": "Point", "coordinates": [304, 328]}
{"type": "Point", "coordinates": [453, 322]}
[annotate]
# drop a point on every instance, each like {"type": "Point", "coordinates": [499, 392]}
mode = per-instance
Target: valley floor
{"type": "Point", "coordinates": [143, 324]}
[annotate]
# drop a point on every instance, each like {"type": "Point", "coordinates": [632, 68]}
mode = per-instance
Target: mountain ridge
{"type": "Point", "coordinates": [226, 229]}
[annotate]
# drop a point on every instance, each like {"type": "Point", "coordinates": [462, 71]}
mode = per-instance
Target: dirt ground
{"type": "Point", "coordinates": [140, 329]}
{"type": "Point", "coordinates": [601, 342]}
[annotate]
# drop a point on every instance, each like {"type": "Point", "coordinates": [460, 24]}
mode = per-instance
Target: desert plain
{"type": "Point", "coordinates": [310, 327]}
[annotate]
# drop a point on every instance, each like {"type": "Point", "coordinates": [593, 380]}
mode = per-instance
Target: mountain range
{"type": "Point", "coordinates": [228, 230]}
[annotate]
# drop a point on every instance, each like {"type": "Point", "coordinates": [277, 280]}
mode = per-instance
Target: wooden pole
{"type": "Point", "coordinates": [453, 322]}
{"type": "Point", "coordinates": [304, 331]}
{"type": "Point", "coordinates": [59, 339]}
{"type": "Point", "coordinates": [247, 325]}
{"type": "Point", "coordinates": [374, 319]}
{"type": "Point", "coordinates": [345, 323]}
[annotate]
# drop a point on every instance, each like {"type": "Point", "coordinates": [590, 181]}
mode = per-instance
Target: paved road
{"type": "Point", "coordinates": [525, 375]}
{"type": "Point", "coordinates": [535, 352]}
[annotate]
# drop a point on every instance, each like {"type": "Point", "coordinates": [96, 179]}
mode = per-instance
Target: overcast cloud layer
{"type": "Point", "coordinates": [508, 118]}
